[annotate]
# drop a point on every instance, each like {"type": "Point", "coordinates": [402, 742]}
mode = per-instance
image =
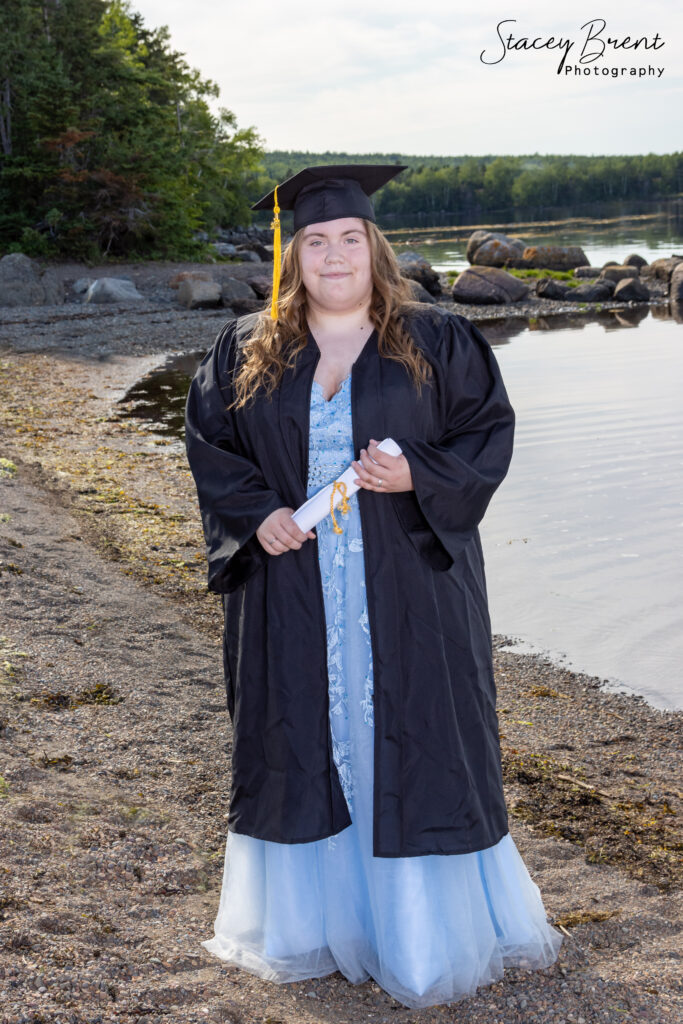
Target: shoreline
{"type": "Point", "coordinates": [116, 739]}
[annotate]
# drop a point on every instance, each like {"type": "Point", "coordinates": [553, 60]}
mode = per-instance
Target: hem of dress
{"type": "Point", "coordinates": [254, 963]}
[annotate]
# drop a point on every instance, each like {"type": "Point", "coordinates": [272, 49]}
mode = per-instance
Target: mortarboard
{"type": "Point", "coordinates": [319, 194]}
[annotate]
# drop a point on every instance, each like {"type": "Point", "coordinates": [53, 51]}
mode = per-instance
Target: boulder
{"type": "Point", "coordinates": [418, 293]}
{"type": "Point", "coordinates": [261, 283]}
{"type": "Point", "coordinates": [81, 286]}
{"type": "Point", "coordinates": [224, 248]}
{"type": "Point", "coordinates": [195, 294]}
{"type": "Point", "coordinates": [676, 286]}
{"type": "Point", "coordinates": [663, 268]}
{"type": "Point", "coordinates": [483, 285]}
{"type": "Point", "coordinates": [189, 275]}
{"type": "Point", "coordinates": [610, 263]}
{"type": "Point", "coordinates": [590, 291]}
{"type": "Point", "coordinates": [549, 288]}
{"type": "Point", "coordinates": [631, 289]}
{"type": "Point", "coordinates": [587, 272]}
{"type": "Point", "coordinates": [113, 289]}
{"type": "Point", "coordinates": [247, 255]}
{"type": "Point", "coordinates": [493, 249]}
{"type": "Point", "coordinates": [23, 283]}
{"type": "Point", "coordinates": [420, 270]}
{"type": "Point", "coordinates": [617, 273]}
{"type": "Point", "coordinates": [554, 257]}
{"type": "Point", "coordinates": [634, 260]}
{"type": "Point", "coordinates": [233, 289]}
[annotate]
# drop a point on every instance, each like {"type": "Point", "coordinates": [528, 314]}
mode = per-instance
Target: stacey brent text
{"type": "Point", "coordinates": [594, 43]}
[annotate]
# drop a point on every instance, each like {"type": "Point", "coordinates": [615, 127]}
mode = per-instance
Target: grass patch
{"type": "Point", "coordinates": [574, 917]}
{"type": "Point", "coordinates": [558, 275]}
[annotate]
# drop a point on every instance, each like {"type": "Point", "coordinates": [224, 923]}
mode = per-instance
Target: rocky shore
{"type": "Point", "coordinates": [115, 739]}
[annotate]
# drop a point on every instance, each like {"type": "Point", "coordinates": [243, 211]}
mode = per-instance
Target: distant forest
{"type": "Point", "coordinates": [440, 185]}
{"type": "Point", "coordinates": [111, 145]}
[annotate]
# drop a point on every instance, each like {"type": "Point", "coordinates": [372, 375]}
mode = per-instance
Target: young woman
{"type": "Point", "coordinates": [367, 829]}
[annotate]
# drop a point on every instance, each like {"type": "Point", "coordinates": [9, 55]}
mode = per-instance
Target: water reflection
{"type": "Point", "coordinates": [159, 397]}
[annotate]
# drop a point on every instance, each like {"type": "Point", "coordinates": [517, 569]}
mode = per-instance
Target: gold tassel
{"type": "Point", "coordinates": [344, 504]}
{"type": "Point", "coordinates": [277, 256]}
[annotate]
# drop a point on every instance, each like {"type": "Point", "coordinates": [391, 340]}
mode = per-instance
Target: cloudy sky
{"type": "Point", "coordinates": [404, 76]}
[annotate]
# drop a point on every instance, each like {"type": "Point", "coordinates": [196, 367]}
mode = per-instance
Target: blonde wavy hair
{"type": "Point", "coordinates": [275, 344]}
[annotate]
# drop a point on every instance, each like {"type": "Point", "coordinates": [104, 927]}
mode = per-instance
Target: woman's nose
{"type": "Point", "coordinates": [334, 254]}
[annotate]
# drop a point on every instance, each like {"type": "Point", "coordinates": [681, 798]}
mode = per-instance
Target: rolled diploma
{"type": "Point", "coordinates": [316, 508]}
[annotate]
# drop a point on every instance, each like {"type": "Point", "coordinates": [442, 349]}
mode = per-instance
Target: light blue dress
{"type": "Point", "coordinates": [428, 929]}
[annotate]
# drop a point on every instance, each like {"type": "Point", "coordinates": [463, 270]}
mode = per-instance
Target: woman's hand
{"type": "Point", "coordinates": [392, 470]}
{"type": "Point", "coordinates": [279, 533]}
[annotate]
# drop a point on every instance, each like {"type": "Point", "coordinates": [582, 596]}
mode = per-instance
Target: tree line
{"type": "Point", "coordinates": [476, 185]}
{"type": "Point", "coordinates": [110, 145]}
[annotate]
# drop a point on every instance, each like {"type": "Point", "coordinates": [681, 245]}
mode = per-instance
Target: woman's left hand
{"type": "Point", "coordinates": [392, 470]}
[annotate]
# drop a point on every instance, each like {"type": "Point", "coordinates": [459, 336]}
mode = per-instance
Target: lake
{"type": "Point", "coordinates": [651, 234]}
{"type": "Point", "coordinates": [584, 539]}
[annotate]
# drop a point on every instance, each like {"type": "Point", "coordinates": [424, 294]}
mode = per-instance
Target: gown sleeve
{"type": "Point", "coordinates": [234, 498]}
{"type": "Point", "coordinates": [456, 477]}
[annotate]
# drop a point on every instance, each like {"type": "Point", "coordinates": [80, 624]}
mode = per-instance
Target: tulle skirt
{"type": "Point", "coordinates": [428, 929]}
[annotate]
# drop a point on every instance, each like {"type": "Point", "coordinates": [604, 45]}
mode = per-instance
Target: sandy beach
{"type": "Point", "coordinates": [115, 738]}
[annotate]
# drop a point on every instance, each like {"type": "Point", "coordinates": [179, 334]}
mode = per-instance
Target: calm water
{"type": "Point", "coordinates": [650, 234]}
{"type": "Point", "coordinates": [584, 539]}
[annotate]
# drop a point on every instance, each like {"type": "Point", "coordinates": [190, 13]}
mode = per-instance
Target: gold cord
{"type": "Point", "coordinates": [277, 257]}
{"type": "Point", "coordinates": [344, 506]}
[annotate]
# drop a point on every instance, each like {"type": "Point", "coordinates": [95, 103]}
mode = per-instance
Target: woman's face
{"type": "Point", "coordinates": [336, 264]}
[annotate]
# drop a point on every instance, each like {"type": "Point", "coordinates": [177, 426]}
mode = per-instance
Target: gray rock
{"type": "Point", "coordinates": [631, 289]}
{"type": "Point", "coordinates": [232, 289]}
{"type": "Point", "coordinates": [483, 285]}
{"type": "Point", "coordinates": [23, 283]}
{"type": "Point", "coordinates": [549, 288]}
{"type": "Point", "coordinates": [113, 289]}
{"type": "Point", "coordinates": [610, 263]}
{"type": "Point", "coordinates": [676, 285]}
{"type": "Point", "coordinates": [662, 269]}
{"type": "Point", "coordinates": [554, 257]}
{"type": "Point", "coordinates": [420, 294]}
{"type": "Point", "coordinates": [587, 272]}
{"type": "Point", "coordinates": [618, 273]}
{"type": "Point", "coordinates": [634, 260]}
{"type": "Point", "coordinates": [422, 273]}
{"type": "Point", "coordinates": [493, 249]}
{"type": "Point", "coordinates": [224, 248]}
{"type": "Point", "coordinates": [261, 283]}
{"type": "Point", "coordinates": [194, 294]}
{"type": "Point", "coordinates": [590, 291]}
{"type": "Point", "coordinates": [81, 286]}
{"type": "Point", "coordinates": [248, 256]}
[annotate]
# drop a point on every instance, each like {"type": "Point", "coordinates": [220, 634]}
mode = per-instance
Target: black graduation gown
{"type": "Point", "coordinates": [437, 768]}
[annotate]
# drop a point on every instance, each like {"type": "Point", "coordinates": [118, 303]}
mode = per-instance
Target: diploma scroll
{"type": "Point", "coordinates": [316, 508]}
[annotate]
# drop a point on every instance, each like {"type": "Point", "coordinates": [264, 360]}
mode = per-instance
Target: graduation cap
{"type": "Point", "coordinates": [319, 194]}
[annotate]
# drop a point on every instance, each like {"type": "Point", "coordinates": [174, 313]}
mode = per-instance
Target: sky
{"type": "Point", "coordinates": [408, 77]}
